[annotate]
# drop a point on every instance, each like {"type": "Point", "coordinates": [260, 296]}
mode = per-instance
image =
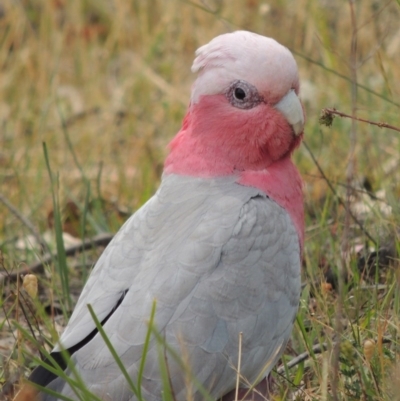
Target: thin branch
{"type": "Point", "coordinates": [343, 264]}
{"type": "Point", "coordinates": [340, 200]}
{"type": "Point", "coordinates": [329, 112]}
{"type": "Point", "coordinates": [373, 16]}
{"type": "Point", "coordinates": [316, 349]}
{"type": "Point", "coordinates": [37, 267]}
{"type": "Point", "coordinates": [338, 74]}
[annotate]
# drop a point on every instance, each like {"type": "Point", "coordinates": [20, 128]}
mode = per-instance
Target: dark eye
{"type": "Point", "coordinates": [243, 95]}
{"type": "Point", "coordinates": [240, 94]}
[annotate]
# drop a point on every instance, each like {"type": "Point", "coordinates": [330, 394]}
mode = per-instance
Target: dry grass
{"type": "Point", "coordinates": [105, 85]}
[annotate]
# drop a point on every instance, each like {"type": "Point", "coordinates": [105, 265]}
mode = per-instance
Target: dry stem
{"type": "Point", "coordinates": [99, 240]}
{"type": "Point", "coordinates": [238, 368]}
{"type": "Point", "coordinates": [328, 112]}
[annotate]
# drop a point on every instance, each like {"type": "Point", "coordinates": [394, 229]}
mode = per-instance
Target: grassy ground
{"type": "Point", "coordinates": [104, 84]}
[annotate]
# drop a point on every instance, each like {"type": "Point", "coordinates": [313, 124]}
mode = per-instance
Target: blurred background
{"type": "Point", "coordinates": [104, 84]}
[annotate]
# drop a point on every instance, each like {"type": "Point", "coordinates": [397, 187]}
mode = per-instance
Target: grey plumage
{"type": "Point", "coordinates": [219, 258]}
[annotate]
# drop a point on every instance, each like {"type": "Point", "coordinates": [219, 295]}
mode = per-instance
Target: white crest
{"type": "Point", "coordinates": [243, 55]}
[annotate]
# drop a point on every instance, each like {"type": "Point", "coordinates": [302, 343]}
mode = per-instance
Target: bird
{"type": "Point", "coordinates": [215, 253]}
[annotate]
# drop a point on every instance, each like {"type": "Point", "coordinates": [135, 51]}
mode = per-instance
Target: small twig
{"type": "Point", "coordinates": [374, 16]}
{"type": "Point", "coordinates": [37, 267]}
{"type": "Point", "coordinates": [25, 221]}
{"type": "Point", "coordinates": [340, 200]}
{"type": "Point", "coordinates": [316, 349]}
{"type": "Point", "coordinates": [327, 114]}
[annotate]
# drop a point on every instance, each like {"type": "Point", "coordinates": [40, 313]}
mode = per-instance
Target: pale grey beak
{"type": "Point", "coordinates": [290, 107]}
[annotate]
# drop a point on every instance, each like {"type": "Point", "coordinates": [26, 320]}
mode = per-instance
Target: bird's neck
{"type": "Point", "coordinates": [281, 181]}
{"type": "Point", "coordinates": [191, 154]}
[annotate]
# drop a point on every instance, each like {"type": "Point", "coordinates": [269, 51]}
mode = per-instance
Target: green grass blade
{"type": "Point", "coordinates": [61, 256]}
{"type": "Point", "coordinates": [113, 351]}
{"type": "Point", "coordinates": [145, 349]}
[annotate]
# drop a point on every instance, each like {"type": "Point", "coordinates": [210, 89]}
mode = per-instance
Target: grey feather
{"type": "Point", "coordinates": [219, 258]}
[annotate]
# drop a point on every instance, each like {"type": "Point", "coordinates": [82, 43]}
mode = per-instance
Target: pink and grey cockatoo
{"type": "Point", "coordinates": [218, 246]}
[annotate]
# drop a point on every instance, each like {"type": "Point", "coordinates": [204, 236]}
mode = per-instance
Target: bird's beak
{"type": "Point", "coordinates": [292, 110]}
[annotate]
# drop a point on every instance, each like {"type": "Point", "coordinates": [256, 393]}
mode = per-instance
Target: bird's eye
{"type": "Point", "coordinates": [243, 95]}
{"type": "Point", "coordinates": [240, 94]}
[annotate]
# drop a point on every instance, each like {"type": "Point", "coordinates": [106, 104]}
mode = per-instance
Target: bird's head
{"type": "Point", "coordinates": [244, 113]}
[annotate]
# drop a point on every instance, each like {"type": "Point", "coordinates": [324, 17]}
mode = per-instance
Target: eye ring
{"type": "Point", "coordinates": [243, 95]}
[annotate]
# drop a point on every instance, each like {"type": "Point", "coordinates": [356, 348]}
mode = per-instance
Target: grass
{"type": "Point", "coordinates": [105, 86]}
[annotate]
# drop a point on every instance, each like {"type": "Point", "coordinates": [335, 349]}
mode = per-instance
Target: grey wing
{"type": "Point", "coordinates": [109, 280]}
{"type": "Point", "coordinates": [143, 243]}
{"type": "Point", "coordinates": [232, 266]}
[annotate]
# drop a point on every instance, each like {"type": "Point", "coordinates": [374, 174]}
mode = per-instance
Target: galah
{"type": "Point", "coordinates": [217, 248]}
